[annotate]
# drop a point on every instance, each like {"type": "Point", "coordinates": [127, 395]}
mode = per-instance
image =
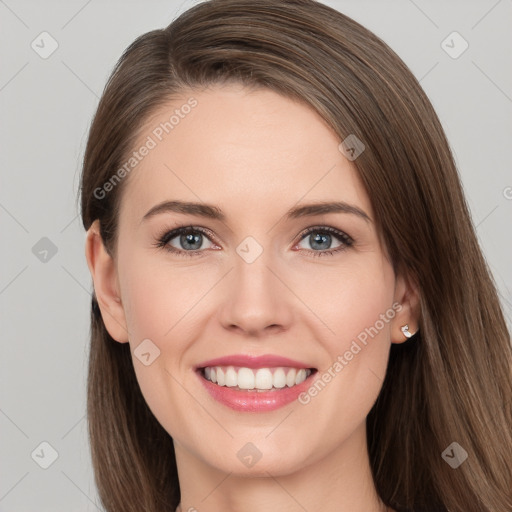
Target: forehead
{"type": "Point", "coordinates": [244, 150]}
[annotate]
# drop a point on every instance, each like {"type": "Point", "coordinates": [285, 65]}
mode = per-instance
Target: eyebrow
{"type": "Point", "coordinates": [213, 212]}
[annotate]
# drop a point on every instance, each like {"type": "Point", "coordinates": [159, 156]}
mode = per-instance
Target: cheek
{"type": "Point", "coordinates": [355, 304]}
{"type": "Point", "coordinates": [157, 297]}
{"type": "Point", "coordinates": [357, 308]}
{"type": "Point", "coordinates": [162, 303]}
{"type": "Point", "coordinates": [351, 298]}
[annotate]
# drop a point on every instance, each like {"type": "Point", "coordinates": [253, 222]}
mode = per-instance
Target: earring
{"type": "Point", "coordinates": [405, 331]}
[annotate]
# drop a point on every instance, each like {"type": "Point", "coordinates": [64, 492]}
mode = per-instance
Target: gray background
{"type": "Point", "coordinates": [46, 107]}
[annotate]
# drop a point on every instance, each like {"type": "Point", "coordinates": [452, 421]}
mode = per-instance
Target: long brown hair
{"type": "Point", "coordinates": [452, 383]}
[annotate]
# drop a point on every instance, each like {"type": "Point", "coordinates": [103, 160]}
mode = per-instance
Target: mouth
{"type": "Point", "coordinates": [261, 380]}
{"type": "Point", "coordinates": [255, 390]}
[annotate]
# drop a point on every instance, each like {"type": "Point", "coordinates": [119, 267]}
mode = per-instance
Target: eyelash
{"type": "Point", "coordinates": [163, 240]}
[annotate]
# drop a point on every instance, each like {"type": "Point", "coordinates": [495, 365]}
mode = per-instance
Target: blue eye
{"type": "Point", "coordinates": [189, 237]}
{"type": "Point", "coordinates": [191, 240]}
{"type": "Point", "coordinates": [323, 235]}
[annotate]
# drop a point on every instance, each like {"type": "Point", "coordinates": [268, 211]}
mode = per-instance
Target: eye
{"type": "Point", "coordinates": [189, 241]}
{"type": "Point", "coordinates": [184, 241]}
{"type": "Point", "coordinates": [320, 238]}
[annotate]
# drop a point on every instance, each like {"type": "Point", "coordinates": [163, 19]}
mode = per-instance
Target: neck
{"type": "Point", "coordinates": [340, 481]}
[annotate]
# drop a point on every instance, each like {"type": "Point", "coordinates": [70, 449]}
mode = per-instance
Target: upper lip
{"type": "Point", "coordinates": [247, 361]}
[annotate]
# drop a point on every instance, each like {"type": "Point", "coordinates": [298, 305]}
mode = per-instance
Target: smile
{"type": "Point", "coordinates": [260, 379]}
{"type": "Point", "coordinates": [255, 390]}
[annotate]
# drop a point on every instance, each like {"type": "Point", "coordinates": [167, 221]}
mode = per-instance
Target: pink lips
{"type": "Point", "coordinates": [264, 361]}
{"type": "Point", "coordinates": [253, 400]}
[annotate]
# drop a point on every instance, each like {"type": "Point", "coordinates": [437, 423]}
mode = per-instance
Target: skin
{"type": "Point", "coordinates": [254, 154]}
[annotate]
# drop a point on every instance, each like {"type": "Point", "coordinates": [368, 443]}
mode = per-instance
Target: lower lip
{"type": "Point", "coordinates": [253, 400]}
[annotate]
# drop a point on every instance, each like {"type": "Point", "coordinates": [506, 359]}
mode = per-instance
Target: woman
{"type": "Point", "coordinates": [245, 372]}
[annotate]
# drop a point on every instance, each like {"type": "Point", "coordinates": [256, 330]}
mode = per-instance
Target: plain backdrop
{"type": "Point", "coordinates": [46, 107]}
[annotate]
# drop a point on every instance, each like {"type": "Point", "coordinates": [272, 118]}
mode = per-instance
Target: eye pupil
{"type": "Point", "coordinates": [194, 239]}
{"type": "Point", "coordinates": [318, 239]}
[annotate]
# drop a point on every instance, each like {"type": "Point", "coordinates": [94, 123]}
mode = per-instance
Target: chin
{"type": "Point", "coordinates": [249, 461]}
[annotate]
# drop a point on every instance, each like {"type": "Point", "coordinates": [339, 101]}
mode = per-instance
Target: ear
{"type": "Point", "coordinates": [407, 295]}
{"type": "Point", "coordinates": [106, 285]}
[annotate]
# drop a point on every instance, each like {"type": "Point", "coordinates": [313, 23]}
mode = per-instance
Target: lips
{"type": "Point", "coordinates": [255, 383]}
{"type": "Point", "coordinates": [247, 361]}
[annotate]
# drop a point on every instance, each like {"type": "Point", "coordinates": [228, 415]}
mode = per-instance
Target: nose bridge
{"type": "Point", "coordinates": [251, 270]}
{"type": "Point", "coordinates": [256, 298]}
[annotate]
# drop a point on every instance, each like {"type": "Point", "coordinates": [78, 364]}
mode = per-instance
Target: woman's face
{"type": "Point", "coordinates": [252, 283]}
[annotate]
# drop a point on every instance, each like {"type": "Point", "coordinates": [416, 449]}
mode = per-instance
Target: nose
{"type": "Point", "coordinates": [255, 300]}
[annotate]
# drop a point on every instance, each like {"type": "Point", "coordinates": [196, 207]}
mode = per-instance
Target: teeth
{"type": "Point", "coordinates": [279, 378]}
{"type": "Point", "coordinates": [245, 379]}
{"type": "Point", "coordinates": [290, 377]}
{"type": "Point", "coordinates": [263, 379]}
{"type": "Point", "coordinates": [301, 376]}
{"type": "Point", "coordinates": [260, 379]}
{"type": "Point", "coordinates": [231, 378]}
